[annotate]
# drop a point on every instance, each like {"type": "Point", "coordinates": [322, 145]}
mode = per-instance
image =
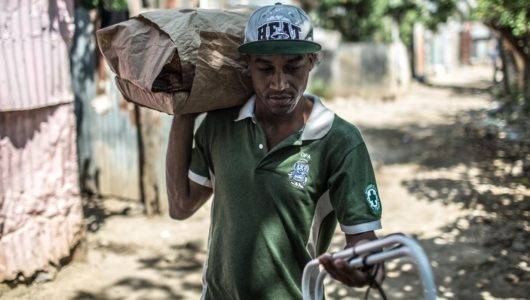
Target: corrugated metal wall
{"type": "Point", "coordinates": [40, 208]}
{"type": "Point", "coordinates": [107, 126]}
{"type": "Point", "coordinates": [34, 69]}
{"type": "Point", "coordinates": [111, 164]}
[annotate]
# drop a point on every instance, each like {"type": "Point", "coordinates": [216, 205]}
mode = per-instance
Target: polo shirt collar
{"type": "Point", "coordinates": [247, 110]}
{"type": "Point", "coordinates": [317, 126]}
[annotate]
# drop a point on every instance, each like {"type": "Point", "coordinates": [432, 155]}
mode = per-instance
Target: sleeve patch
{"type": "Point", "coordinates": [372, 198]}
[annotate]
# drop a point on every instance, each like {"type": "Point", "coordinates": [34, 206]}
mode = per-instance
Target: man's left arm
{"type": "Point", "coordinates": [355, 200]}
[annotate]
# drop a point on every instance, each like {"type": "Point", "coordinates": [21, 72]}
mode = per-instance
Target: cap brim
{"type": "Point", "coordinates": [279, 47]}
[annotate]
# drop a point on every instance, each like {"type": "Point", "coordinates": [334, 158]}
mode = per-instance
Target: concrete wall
{"type": "Point", "coordinates": [367, 70]}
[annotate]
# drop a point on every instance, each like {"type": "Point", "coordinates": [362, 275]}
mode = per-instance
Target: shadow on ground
{"type": "Point", "coordinates": [124, 288]}
{"type": "Point", "coordinates": [185, 259]}
{"type": "Point", "coordinates": [96, 212]}
{"type": "Point", "coordinates": [485, 253]}
{"type": "Point", "coordinates": [189, 258]}
{"type": "Point", "coordinates": [472, 88]}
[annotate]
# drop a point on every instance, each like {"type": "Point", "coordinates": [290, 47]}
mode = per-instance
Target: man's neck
{"type": "Point", "coordinates": [279, 127]}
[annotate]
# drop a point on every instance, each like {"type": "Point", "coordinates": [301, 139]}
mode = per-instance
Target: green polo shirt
{"type": "Point", "coordinates": [276, 209]}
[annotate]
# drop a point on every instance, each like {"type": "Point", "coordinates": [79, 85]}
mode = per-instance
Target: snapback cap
{"type": "Point", "coordinates": [279, 29]}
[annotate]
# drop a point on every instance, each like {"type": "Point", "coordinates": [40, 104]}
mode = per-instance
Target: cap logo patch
{"type": "Point", "coordinates": [278, 30]}
{"type": "Point", "coordinates": [372, 198]}
{"type": "Point", "coordinates": [270, 24]}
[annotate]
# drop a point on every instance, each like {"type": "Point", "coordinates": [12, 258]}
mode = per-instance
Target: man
{"type": "Point", "coordinates": [283, 169]}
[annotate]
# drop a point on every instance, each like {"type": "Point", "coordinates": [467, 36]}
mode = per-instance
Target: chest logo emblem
{"type": "Point", "coordinates": [372, 198]}
{"type": "Point", "coordinates": [298, 176]}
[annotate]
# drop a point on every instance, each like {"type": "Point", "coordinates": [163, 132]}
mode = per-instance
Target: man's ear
{"type": "Point", "coordinates": [313, 59]}
{"type": "Point", "coordinates": [245, 58]}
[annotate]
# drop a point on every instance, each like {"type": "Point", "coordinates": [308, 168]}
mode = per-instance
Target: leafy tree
{"type": "Point", "coordinates": [511, 19]}
{"type": "Point", "coordinates": [356, 20]}
{"type": "Point", "coordinates": [367, 20]}
{"type": "Point", "coordinates": [110, 5]}
{"type": "Point", "coordinates": [430, 13]}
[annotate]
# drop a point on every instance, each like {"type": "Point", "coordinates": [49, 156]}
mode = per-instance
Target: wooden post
{"type": "Point", "coordinates": [154, 130]}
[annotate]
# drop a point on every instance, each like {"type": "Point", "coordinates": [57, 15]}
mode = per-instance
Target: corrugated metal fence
{"type": "Point", "coordinates": [40, 208]}
{"type": "Point", "coordinates": [33, 38]}
{"type": "Point", "coordinates": [121, 146]}
{"type": "Point", "coordinates": [107, 125]}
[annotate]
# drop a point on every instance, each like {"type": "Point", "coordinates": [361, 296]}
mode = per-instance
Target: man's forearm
{"type": "Point", "coordinates": [177, 164]}
{"type": "Point", "coordinates": [353, 239]}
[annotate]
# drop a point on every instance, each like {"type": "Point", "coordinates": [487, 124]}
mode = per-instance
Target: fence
{"type": "Point", "coordinates": [121, 146]}
{"type": "Point", "coordinates": [40, 208]}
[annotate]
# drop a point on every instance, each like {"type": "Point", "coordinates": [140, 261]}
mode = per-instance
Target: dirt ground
{"type": "Point", "coordinates": [462, 198]}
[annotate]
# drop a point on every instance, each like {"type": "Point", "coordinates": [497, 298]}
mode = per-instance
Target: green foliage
{"type": "Point", "coordinates": [438, 12]}
{"type": "Point", "coordinates": [406, 13]}
{"type": "Point", "coordinates": [430, 13]}
{"type": "Point", "coordinates": [511, 19]}
{"type": "Point", "coordinates": [367, 20]}
{"type": "Point", "coordinates": [356, 20]}
{"type": "Point", "coordinates": [110, 5]}
{"type": "Point", "coordinates": [512, 14]}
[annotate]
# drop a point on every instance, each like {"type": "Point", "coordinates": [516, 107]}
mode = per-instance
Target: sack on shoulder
{"type": "Point", "coordinates": [179, 61]}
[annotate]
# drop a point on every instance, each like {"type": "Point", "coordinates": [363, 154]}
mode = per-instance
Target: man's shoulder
{"type": "Point", "coordinates": [344, 134]}
{"type": "Point", "coordinates": [221, 117]}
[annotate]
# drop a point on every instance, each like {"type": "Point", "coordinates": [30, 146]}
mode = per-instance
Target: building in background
{"type": "Point", "coordinates": [41, 218]}
{"type": "Point", "coordinates": [452, 45]}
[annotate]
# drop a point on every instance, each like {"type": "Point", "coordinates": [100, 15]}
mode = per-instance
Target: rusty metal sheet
{"type": "Point", "coordinates": [107, 129]}
{"type": "Point", "coordinates": [108, 143]}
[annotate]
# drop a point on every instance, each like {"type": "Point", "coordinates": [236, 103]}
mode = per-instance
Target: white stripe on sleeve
{"type": "Point", "coordinates": [199, 179]}
{"type": "Point", "coordinates": [360, 228]}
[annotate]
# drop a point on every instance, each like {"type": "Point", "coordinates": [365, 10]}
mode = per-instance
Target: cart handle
{"type": "Point", "coordinates": [402, 246]}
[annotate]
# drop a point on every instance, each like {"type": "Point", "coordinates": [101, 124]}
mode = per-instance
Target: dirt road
{"type": "Point", "coordinates": [437, 182]}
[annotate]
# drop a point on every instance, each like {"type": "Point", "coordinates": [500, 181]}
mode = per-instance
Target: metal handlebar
{"type": "Point", "coordinates": [402, 246]}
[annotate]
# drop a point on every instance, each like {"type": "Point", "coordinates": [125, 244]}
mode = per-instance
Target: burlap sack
{"type": "Point", "coordinates": [179, 61]}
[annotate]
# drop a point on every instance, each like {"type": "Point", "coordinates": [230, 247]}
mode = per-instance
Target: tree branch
{"type": "Point", "coordinates": [513, 40]}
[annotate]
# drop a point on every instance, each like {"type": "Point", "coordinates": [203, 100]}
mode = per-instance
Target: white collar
{"type": "Point", "coordinates": [247, 110]}
{"type": "Point", "coordinates": [317, 126]}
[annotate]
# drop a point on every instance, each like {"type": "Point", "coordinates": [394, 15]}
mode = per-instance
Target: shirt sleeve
{"type": "Point", "coordinates": [200, 167]}
{"type": "Point", "coordinates": [353, 193]}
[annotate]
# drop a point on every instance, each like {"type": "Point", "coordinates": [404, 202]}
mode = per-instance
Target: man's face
{"type": "Point", "coordinates": [280, 80]}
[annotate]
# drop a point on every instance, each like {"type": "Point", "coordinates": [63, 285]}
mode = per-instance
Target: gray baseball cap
{"type": "Point", "coordinates": [279, 29]}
